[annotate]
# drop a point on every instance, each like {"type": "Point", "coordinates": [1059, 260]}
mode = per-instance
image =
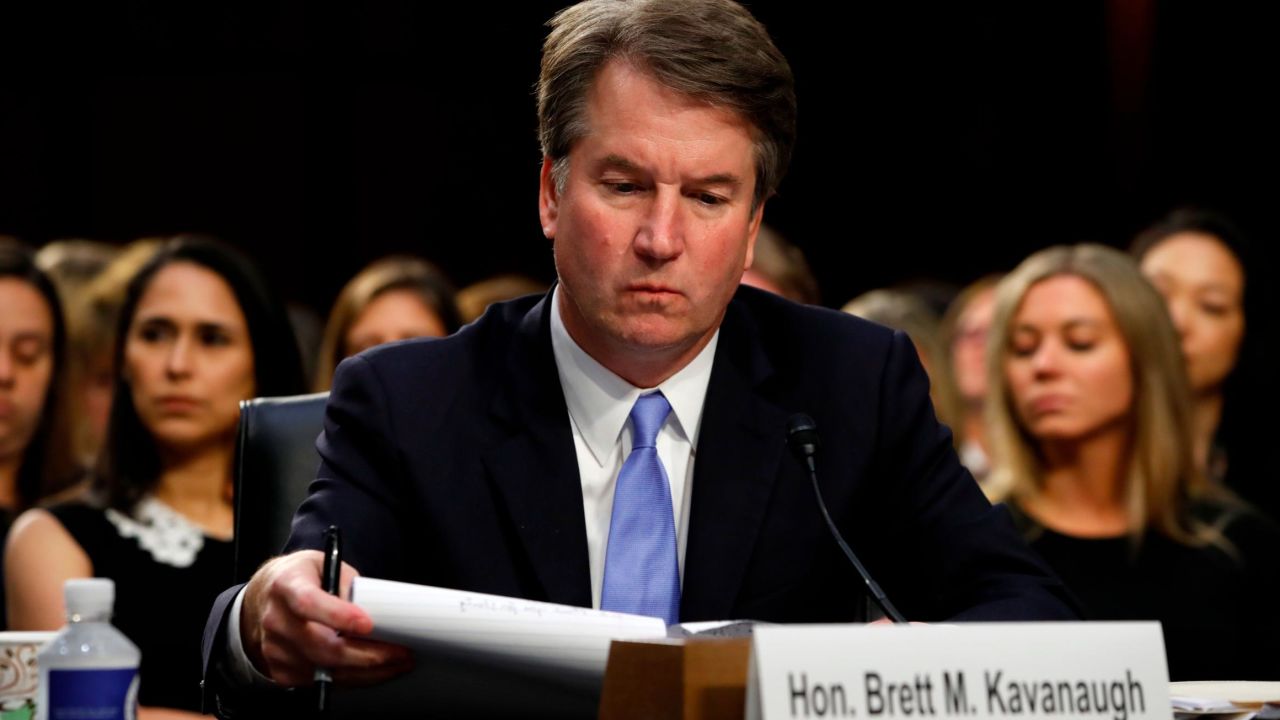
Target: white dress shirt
{"type": "Point", "coordinates": [599, 404]}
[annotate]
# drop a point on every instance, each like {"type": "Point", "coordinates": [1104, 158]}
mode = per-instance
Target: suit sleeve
{"type": "Point", "coordinates": [224, 692]}
{"type": "Point", "coordinates": [948, 553]}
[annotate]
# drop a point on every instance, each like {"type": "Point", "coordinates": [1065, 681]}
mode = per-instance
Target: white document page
{"type": "Point", "coordinates": [535, 635]}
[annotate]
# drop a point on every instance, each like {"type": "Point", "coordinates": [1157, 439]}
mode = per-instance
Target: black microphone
{"type": "Point", "coordinates": [802, 437]}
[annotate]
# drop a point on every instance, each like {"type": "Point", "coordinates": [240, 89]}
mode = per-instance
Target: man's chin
{"type": "Point", "coordinates": [649, 333]}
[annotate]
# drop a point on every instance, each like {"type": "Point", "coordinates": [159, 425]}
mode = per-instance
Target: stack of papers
{"type": "Point", "coordinates": [535, 636]}
{"type": "Point", "coordinates": [1234, 700]}
{"type": "Point", "coordinates": [481, 655]}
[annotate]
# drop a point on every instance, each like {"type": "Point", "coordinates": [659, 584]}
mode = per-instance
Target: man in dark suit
{"type": "Point", "coordinates": [632, 423]}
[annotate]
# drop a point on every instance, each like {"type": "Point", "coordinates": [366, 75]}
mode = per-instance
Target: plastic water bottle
{"type": "Point", "coordinates": [89, 669]}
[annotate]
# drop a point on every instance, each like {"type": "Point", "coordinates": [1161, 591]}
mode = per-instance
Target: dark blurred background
{"type": "Point", "coordinates": [934, 143]}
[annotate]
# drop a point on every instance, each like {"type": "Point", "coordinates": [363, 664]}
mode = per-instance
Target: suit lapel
{"type": "Point", "coordinates": [739, 446]}
{"type": "Point", "coordinates": [536, 468]}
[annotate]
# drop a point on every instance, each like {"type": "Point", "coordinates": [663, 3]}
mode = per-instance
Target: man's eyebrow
{"type": "Point", "coordinates": [720, 179]}
{"type": "Point", "coordinates": [617, 162]}
{"type": "Point", "coordinates": [622, 164]}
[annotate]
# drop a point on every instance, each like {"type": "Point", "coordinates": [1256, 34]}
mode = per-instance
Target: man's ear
{"type": "Point", "coordinates": [753, 230]}
{"type": "Point", "coordinates": [548, 199]}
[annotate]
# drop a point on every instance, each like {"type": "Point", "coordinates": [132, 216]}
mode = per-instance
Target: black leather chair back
{"type": "Point", "coordinates": [275, 462]}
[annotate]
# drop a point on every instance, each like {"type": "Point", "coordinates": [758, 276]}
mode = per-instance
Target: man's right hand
{"type": "Point", "coordinates": [289, 626]}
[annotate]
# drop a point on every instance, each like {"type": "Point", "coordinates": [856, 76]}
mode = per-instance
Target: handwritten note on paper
{"type": "Point", "coordinates": [536, 635]}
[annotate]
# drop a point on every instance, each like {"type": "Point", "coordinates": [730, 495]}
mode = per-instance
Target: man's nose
{"type": "Point", "coordinates": [661, 236]}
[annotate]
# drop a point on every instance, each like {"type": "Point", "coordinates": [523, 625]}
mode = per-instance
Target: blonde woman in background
{"type": "Point", "coordinates": [1091, 429]}
{"type": "Point", "coordinates": [395, 298]}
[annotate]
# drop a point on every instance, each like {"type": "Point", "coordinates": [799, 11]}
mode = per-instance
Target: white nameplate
{"type": "Point", "coordinates": [978, 671]}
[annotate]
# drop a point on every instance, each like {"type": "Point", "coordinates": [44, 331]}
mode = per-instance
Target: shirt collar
{"type": "Point", "coordinates": [599, 401]}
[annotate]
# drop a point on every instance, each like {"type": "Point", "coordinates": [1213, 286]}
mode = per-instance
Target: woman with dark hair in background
{"type": "Point", "coordinates": [395, 298]}
{"type": "Point", "coordinates": [32, 339]}
{"type": "Point", "coordinates": [199, 332]}
{"type": "Point", "coordinates": [1199, 262]}
{"type": "Point", "coordinates": [1091, 426]}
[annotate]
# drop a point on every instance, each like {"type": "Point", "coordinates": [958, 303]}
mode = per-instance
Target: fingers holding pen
{"type": "Point", "coordinates": [290, 625]}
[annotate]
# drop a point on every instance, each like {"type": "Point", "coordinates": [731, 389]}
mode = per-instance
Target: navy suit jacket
{"type": "Point", "coordinates": [451, 462]}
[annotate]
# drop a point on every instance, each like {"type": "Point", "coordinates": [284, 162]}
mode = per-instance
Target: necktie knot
{"type": "Point", "coordinates": [647, 416]}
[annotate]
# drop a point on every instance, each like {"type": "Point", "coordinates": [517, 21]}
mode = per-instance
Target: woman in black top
{"type": "Point", "coordinates": [199, 332]}
{"type": "Point", "coordinates": [1091, 427]}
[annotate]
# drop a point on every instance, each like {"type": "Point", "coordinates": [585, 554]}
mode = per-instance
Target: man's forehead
{"type": "Point", "coordinates": [627, 109]}
{"type": "Point", "coordinates": [621, 81]}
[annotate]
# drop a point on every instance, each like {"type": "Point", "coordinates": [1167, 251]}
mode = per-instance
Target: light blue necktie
{"type": "Point", "coordinates": [641, 571]}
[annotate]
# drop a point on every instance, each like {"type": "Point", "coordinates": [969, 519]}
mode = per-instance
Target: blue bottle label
{"type": "Point", "coordinates": [93, 694]}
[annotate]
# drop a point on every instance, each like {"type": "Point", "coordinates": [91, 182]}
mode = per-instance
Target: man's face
{"type": "Point", "coordinates": [654, 225]}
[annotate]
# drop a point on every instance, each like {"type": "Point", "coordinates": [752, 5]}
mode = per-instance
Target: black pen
{"type": "Point", "coordinates": [331, 574]}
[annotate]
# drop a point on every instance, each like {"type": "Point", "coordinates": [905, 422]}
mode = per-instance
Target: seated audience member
{"type": "Point", "coordinates": [965, 327]}
{"type": "Point", "coordinates": [31, 350]}
{"type": "Point", "coordinates": [781, 268]}
{"type": "Point", "coordinates": [1091, 431]}
{"type": "Point", "coordinates": [1198, 261]}
{"type": "Point", "coordinates": [395, 298]}
{"type": "Point", "coordinates": [475, 298]}
{"type": "Point", "coordinates": [92, 317]}
{"type": "Point", "coordinates": [73, 264]}
{"type": "Point", "coordinates": [199, 332]}
{"type": "Point", "coordinates": [907, 312]}
{"type": "Point", "coordinates": [308, 327]}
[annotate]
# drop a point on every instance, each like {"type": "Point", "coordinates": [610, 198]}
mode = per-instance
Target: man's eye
{"type": "Point", "coordinates": [624, 188]}
{"type": "Point", "coordinates": [709, 199]}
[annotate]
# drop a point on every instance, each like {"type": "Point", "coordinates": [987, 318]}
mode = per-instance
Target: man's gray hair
{"type": "Point", "coordinates": [711, 50]}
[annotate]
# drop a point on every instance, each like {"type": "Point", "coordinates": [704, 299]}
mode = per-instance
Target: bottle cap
{"type": "Point", "coordinates": [89, 597]}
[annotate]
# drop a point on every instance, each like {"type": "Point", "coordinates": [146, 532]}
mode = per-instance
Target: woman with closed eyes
{"type": "Point", "coordinates": [32, 337]}
{"type": "Point", "coordinates": [1091, 429]}
{"type": "Point", "coordinates": [199, 332]}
